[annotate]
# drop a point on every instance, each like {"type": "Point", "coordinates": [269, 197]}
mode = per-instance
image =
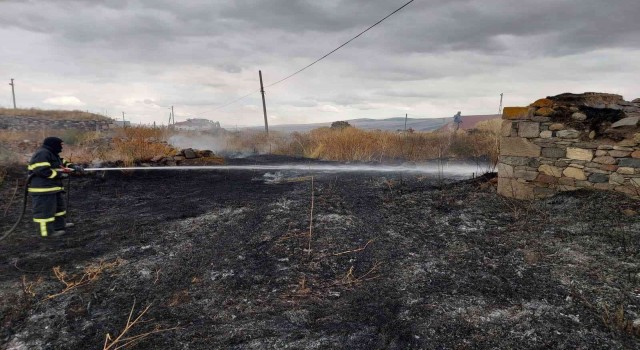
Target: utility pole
{"type": "Point", "coordinates": [13, 93]}
{"type": "Point", "coordinates": [123, 122]}
{"type": "Point", "coordinates": [173, 116]}
{"type": "Point", "coordinates": [406, 115]}
{"type": "Point", "coordinates": [264, 105]}
{"type": "Point", "coordinates": [500, 108]}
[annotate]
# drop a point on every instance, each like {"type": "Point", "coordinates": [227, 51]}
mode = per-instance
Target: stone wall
{"type": "Point", "coordinates": [34, 124]}
{"type": "Point", "coordinates": [568, 142]}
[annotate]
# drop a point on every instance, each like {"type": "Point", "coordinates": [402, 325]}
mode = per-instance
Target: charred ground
{"type": "Point", "coordinates": [396, 261]}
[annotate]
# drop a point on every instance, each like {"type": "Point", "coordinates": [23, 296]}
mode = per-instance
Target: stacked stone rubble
{"type": "Point", "coordinates": [570, 141]}
{"type": "Point", "coordinates": [34, 124]}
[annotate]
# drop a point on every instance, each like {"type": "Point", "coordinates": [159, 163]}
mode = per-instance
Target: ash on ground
{"type": "Point", "coordinates": [231, 260]}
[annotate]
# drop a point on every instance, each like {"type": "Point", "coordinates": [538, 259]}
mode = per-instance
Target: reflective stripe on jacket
{"type": "Point", "coordinates": [43, 165]}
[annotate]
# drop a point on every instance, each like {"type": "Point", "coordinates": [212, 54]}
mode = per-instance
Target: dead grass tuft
{"type": "Point", "coordinates": [91, 273]}
{"type": "Point", "coordinates": [350, 278]}
{"type": "Point", "coordinates": [124, 339]}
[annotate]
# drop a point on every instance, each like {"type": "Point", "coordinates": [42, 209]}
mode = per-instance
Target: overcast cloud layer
{"type": "Point", "coordinates": [432, 59]}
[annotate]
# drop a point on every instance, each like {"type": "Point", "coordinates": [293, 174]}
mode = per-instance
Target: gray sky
{"type": "Point", "coordinates": [432, 59]}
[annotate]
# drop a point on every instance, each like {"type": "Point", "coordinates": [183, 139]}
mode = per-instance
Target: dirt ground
{"type": "Point", "coordinates": [224, 260]}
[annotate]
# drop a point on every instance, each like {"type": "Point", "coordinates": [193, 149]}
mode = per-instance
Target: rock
{"type": "Point", "coordinates": [603, 186]}
{"type": "Point", "coordinates": [514, 113]}
{"type": "Point", "coordinates": [579, 153]}
{"type": "Point", "coordinates": [616, 178]}
{"type": "Point", "coordinates": [599, 178]}
{"type": "Point", "coordinates": [545, 112]}
{"type": "Point", "coordinates": [547, 179]}
{"type": "Point", "coordinates": [567, 181]}
{"type": "Point", "coordinates": [578, 116]}
{"type": "Point", "coordinates": [595, 170]}
{"type": "Point", "coordinates": [568, 134]}
{"type": "Point", "coordinates": [619, 154]}
{"type": "Point", "coordinates": [592, 135]}
{"type": "Point", "coordinates": [631, 212]}
{"type": "Point", "coordinates": [514, 189]}
{"type": "Point", "coordinates": [543, 102]}
{"type": "Point", "coordinates": [156, 159]}
{"type": "Point", "coordinates": [622, 148]}
{"type": "Point", "coordinates": [553, 152]}
{"type": "Point", "coordinates": [605, 147]}
{"type": "Point", "coordinates": [627, 143]}
{"type": "Point", "coordinates": [517, 146]}
{"type": "Point", "coordinates": [608, 167]}
{"type": "Point", "coordinates": [627, 190]}
{"type": "Point", "coordinates": [505, 170]}
{"type": "Point", "coordinates": [635, 154]}
{"type": "Point", "coordinates": [556, 127]}
{"type": "Point", "coordinates": [636, 182]}
{"type": "Point", "coordinates": [540, 119]}
{"type": "Point", "coordinates": [574, 173]}
{"type": "Point", "coordinates": [575, 165]}
{"type": "Point", "coordinates": [528, 129]}
{"type": "Point", "coordinates": [178, 158]}
{"type": "Point", "coordinates": [517, 161]}
{"type": "Point", "coordinates": [189, 153]}
{"type": "Point", "coordinates": [586, 184]}
{"type": "Point", "coordinates": [525, 174]}
{"type": "Point", "coordinates": [550, 170]}
{"type": "Point", "coordinates": [587, 145]}
{"type": "Point", "coordinates": [629, 162]}
{"type": "Point", "coordinates": [506, 128]}
{"type": "Point", "coordinates": [546, 134]}
{"type": "Point", "coordinates": [600, 153]}
{"type": "Point", "coordinates": [629, 121]}
{"type": "Point", "coordinates": [625, 171]}
{"type": "Point", "coordinates": [604, 160]}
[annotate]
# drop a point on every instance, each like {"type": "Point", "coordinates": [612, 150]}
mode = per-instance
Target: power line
{"type": "Point", "coordinates": [341, 46]}
{"type": "Point", "coordinates": [228, 103]}
{"type": "Point", "coordinates": [312, 63]}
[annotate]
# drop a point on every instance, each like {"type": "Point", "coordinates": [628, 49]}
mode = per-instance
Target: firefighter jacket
{"type": "Point", "coordinates": [45, 165]}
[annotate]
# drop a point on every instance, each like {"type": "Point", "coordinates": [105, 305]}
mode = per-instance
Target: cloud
{"type": "Point", "coordinates": [66, 101]}
{"type": "Point", "coordinates": [434, 57]}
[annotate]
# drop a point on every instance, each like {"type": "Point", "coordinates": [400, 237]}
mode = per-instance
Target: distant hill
{"type": "Point", "coordinates": [389, 124]}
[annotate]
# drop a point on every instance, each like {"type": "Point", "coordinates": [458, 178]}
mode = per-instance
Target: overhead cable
{"type": "Point", "coordinates": [314, 62]}
{"type": "Point", "coordinates": [341, 46]}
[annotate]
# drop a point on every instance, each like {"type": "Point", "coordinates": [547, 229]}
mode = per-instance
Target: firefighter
{"type": "Point", "coordinates": [48, 170]}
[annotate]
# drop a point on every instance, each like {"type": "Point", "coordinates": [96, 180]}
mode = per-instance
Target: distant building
{"type": "Point", "coordinates": [197, 124]}
{"type": "Point", "coordinates": [120, 124]}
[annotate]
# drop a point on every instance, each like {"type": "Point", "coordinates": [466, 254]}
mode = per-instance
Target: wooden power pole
{"type": "Point", "coordinates": [13, 93]}
{"type": "Point", "coordinates": [264, 105]}
{"type": "Point", "coordinates": [500, 108]}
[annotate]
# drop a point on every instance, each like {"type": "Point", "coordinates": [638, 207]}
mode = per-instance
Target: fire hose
{"type": "Point", "coordinates": [24, 205]}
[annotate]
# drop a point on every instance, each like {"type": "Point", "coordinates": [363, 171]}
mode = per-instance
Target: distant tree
{"type": "Point", "coordinates": [340, 125]}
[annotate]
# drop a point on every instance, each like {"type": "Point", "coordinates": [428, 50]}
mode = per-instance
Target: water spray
{"type": "Point", "coordinates": [456, 170]}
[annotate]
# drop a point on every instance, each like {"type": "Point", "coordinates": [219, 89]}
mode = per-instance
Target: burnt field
{"type": "Point", "coordinates": [257, 260]}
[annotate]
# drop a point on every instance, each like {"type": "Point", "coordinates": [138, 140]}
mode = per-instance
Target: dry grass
{"type": "Point", "coordinates": [90, 274]}
{"type": "Point", "coordinates": [352, 144]}
{"type": "Point", "coordinates": [52, 114]}
{"type": "Point", "coordinates": [125, 339]}
{"type": "Point", "coordinates": [128, 145]}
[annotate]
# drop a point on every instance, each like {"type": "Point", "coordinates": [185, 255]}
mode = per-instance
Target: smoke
{"type": "Point", "coordinates": [217, 144]}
